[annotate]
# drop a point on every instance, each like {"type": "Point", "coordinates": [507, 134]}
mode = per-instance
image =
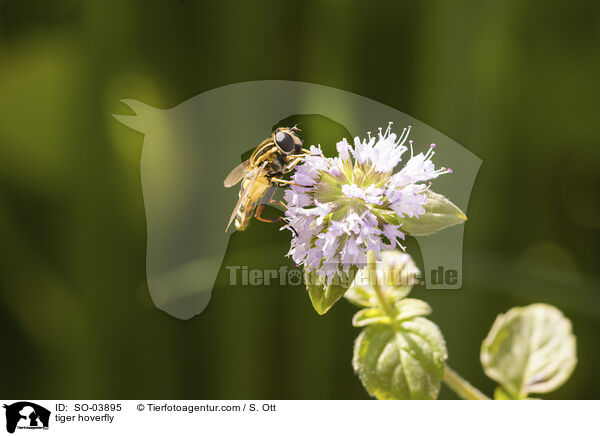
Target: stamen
{"type": "Point", "coordinates": [404, 138]}
{"type": "Point", "coordinates": [389, 129]}
{"type": "Point", "coordinates": [442, 170]}
{"type": "Point", "coordinates": [411, 148]}
{"type": "Point", "coordinates": [400, 140]}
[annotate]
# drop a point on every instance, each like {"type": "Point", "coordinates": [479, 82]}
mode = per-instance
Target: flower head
{"type": "Point", "coordinates": [344, 205]}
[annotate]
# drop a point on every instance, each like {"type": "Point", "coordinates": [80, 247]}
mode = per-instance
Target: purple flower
{"type": "Point", "coordinates": [345, 205]}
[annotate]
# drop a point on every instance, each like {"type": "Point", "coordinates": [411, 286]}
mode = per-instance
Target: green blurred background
{"type": "Point", "coordinates": [516, 82]}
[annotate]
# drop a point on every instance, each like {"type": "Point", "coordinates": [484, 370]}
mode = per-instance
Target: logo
{"type": "Point", "coordinates": [26, 415]}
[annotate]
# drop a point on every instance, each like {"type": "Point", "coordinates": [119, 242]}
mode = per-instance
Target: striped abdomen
{"type": "Point", "coordinates": [248, 206]}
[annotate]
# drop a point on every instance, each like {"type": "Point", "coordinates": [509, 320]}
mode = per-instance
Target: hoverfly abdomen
{"type": "Point", "coordinates": [254, 193]}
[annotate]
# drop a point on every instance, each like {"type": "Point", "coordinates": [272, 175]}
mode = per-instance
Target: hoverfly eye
{"type": "Point", "coordinates": [285, 142]}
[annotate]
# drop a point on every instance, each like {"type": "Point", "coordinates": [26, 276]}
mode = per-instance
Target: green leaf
{"type": "Point", "coordinates": [371, 315]}
{"type": "Point", "coordinates": [406, 309]}
{"type": "Point", "coordinates": [529, 350]}
{"type": "Point", "coordinates": [439, 214]}
{"type": "Point", "coordinates": [401, 361]}
{"type": "Point", "coordinates": [411, 308]}
{"type": "Point", "coordinates": [359, 294]}
{"type": "Point", "coordinates": [323, 297]}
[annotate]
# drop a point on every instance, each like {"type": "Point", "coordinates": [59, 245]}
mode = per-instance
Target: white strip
{"type": "Point", "coordinates": [265, 417]}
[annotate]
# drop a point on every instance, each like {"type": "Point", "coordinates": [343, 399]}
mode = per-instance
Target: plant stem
{"type": "Point", "coordinates": [463, 388]}
{"type": "Point", "coordinates": [389, 310]}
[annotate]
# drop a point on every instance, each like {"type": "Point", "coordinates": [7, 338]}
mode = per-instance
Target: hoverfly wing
{"type": "Point", "coordinates": [244, 193]}
{"type": "Point", "coordinates": [236, 174]}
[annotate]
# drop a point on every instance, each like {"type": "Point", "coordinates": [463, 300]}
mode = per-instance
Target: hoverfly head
{"type": "Point", "coordinates": [287, 140]}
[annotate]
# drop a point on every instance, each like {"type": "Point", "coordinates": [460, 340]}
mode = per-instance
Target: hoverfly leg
{"type": "Point", "coordinates": [260, 209]}
{"type": "Point", "coordinates": [276, 180]}
{"type": "Point", "coordinates": [280, 203]}
{"type": "Point", "coordinates": [308, 152]}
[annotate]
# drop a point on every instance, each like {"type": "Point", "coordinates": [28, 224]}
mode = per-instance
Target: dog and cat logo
{"type": "Point", "coordinates": [26, 415]}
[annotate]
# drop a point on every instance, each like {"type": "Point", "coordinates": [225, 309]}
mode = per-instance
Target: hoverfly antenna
{"type": "Point", "coordinates": [296, 128]}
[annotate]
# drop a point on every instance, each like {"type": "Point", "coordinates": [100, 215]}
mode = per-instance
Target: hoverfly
{"type": "Point", "coordinates": [261, 174]}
